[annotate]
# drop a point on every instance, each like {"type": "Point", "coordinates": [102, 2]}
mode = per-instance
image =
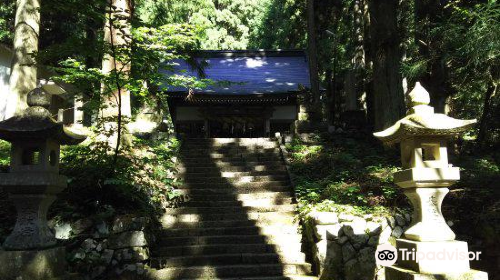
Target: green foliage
{"type": "Point", "coordinates": [472, 38]}
{"type": "Point", "coordinates": [4, 155]}
{"type": "Point", "coordinates": [344, 170]}
{"type": "Point", "coordinates": [141, 180]}
{"type": "Point", "coordinates": [7, 13]}
{"type": "Point", "coordinates": [463, 40]}
{"type": "Point", "coordinates": [225, 24]}
{"type": "Point", "coordinates": [479, 170]}
{"type": "Point", "coordinates": [154, 53]}
{"type": "Point", "coordinates": [282, 26]}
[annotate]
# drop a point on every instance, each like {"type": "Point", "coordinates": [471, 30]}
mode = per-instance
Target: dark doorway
{"type": "Point", "coordinates": [234, 128]}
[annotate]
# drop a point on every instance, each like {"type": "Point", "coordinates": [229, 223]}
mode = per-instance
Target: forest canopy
{"type": "Point", "coordinates": [366, 53]}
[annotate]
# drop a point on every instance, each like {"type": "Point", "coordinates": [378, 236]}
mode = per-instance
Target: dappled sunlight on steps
{"type": "Point", "coordinates": [239, 219]}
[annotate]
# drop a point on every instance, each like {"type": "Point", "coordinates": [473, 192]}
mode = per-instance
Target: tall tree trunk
{"type": "Point", "coordinates": [330, 110]}
{"type": "Point", "coordinates": [354, 87]}
{"type": "Point", "coordinates": [435, 80]}
{"type": "Point", "coordinates": [23, 76]}
{"type": "Point", "coordinates": [388, 97]}
{"type": "Point", "coordinates": [313, 55]}
{"type": "Point", "coordinates": [483, 122]}
{"type": "Point", "coordinates": [368, 82]}
{"type": "Point", "coordinates": [117, 35]}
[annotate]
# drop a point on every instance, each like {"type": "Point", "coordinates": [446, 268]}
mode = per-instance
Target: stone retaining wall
{"type": "Point", "coordinates": [115, 248]}
{"type": "Point", "coordinates": [343, 245]}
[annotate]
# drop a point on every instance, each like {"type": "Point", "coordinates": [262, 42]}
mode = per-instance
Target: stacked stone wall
{"type": "Point", "coordinates": [342, 246]}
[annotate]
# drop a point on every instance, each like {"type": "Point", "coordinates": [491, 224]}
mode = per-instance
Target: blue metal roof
{"type": "Point", "coordinates": [257, 72]}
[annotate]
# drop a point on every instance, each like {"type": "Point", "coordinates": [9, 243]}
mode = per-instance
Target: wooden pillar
{"type": "Point", "coordinates": [207, 128]}
{"type": "Point", "coordinates": [268, 127]}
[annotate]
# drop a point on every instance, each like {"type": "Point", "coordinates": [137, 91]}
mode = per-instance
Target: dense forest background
{"type": "Point", "coordinates": [364, 53]}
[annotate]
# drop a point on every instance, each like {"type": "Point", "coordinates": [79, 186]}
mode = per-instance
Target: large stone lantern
{"type": "Point", "coordinates": [34, 181]}
{"type": "Point", "coordinates": [425, 178]}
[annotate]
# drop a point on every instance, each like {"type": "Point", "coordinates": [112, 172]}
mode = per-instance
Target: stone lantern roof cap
{"type": "Point", "coordinates": [422, 121]}
{"type": "Point", "coordinates": [36, 123]}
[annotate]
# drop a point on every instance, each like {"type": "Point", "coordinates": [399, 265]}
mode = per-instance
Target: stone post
{"type": "Point", "coordinates": [425, 179]}
{"type": "Point", "coordinates": [32, 185]}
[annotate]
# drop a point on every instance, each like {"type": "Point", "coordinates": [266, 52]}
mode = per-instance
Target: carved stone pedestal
{"type": "Point", "coordinates": [32, 265]}
{"type": "Point", "coordinates": [433, 257]}
{"type": "Point", "coordinates": [428, 223]}
{"type": "Point", "coordinates": [32, 195]}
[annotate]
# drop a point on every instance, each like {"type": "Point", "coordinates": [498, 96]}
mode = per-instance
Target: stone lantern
{"type": "Point", "coordinates": [34, 181]}
{"type": "Point", "coordinates": [425, 178]}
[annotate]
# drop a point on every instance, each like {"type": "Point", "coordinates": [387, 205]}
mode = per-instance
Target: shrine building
{"type": "Point", "coordinates": [254, 93]}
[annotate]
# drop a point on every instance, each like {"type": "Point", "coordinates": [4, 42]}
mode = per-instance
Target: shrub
{"type": "Point", "coordinates": [345, 170]}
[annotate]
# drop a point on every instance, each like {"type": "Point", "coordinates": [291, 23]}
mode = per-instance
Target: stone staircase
{"type": "Point", "coordinates": [239, 220]}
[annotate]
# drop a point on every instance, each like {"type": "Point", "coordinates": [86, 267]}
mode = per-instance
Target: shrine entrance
{"type": "Point", "coordinates": [234, 128]}
{"type": "Point", "coordinates": [237, 121]}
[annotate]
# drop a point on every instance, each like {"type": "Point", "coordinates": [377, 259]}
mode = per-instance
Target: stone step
{"type": "Point", "coordinates": [266, 185]}
{"type": "Point", "coordinates": [289, 240]}
{"type": "Point", "coordinates": [258, 203]}
{"type": "Point", "coordinates": [227, 259]}
{"type": "Point", "coordinates": [229, 150]}
{"type": "Point", "coordinates": [193, 221]}
{"type": "Point", "coordinates": [261, 216]}
{"type": "Point", "coordinates": [206, 224]}
{"type": "Point", "coordinates": [212, 190]}
{"type": "Point", "coordinates": [235, 230]}
{"type": "Point", "coordinates": [150, 275]}
{"type": "Point", "coordinates": [214, 272]}
{"type": "Point", "coordinates": [230, 209]}
{"type": "Point", "coordinates": [218, 249]}
{"type": "Point", "coordinates": [207, 145]}
{"type": "Point", "coordinates": [236, 180]}
{"type": "Point", "coordinates": [218, 173]}
{"type": "Point", "coordinates": [235, 164]}
{"type": "Point", "coordinates": [276, 196]}
{"type": "Point", "coordinates": [204, 161]}
{"type": "Point", "coordinates": [228, 142]}
{"type": "Point", "coordinates": [232, 168]}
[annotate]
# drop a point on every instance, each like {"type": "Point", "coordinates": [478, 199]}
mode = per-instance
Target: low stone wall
{"type": "Point", "coordinates": [105, 249]}
{"type": "Point", "coordinates": [343, 245]}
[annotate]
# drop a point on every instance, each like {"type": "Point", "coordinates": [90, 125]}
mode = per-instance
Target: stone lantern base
{"type": "Point", "coordinates": [448, 260]}
{"type": "Point", "coordinates": [398, 273]}
{"type": "Point", "coordinates": [438, 257]}
{"type": "Point", "coordinates": [32, 265]}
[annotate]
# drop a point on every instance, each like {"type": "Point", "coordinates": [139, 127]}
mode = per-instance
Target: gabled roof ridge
{"type": "Point", "coordinates": [252, 53]}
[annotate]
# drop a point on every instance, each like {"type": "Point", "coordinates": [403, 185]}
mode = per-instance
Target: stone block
{"type": "Point", "coordinates": [348, 252]}
{"type": "Point", "coordinates": [62, 230]}
{"type": "Point", "coordinates": [344, 217]}
{"type": "Point", "coordinates": [328, 232]}
{"type": "Point", "coordinates": [400, 220]}
{"type": "Point", "coordinates": [325, 218]}
{"type": "Point", "coordinates": [373, 228]}
{"type": "Point", "coordinates": [439, 257]}
{"type": "Point", "coordinates": [357, 269]}
{"type": "Point", "coordinates": [129, 223]}
{"type": "Point", "coordinates": [32, 265]}
{"type": "Point", "coordinates": [331, 267]}
{"type": "Point", "coordinates": [132, 254]}
{"type": "Point", "coordinates": [398, 273]}
{"type": "Point", "coordinates": [128, 239]}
